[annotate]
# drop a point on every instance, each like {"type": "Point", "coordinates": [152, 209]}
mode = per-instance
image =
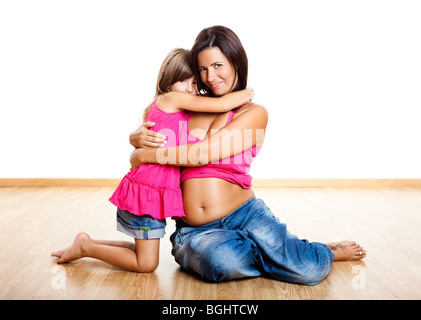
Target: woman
{"type": "Point", "coordinates": [228, 233]}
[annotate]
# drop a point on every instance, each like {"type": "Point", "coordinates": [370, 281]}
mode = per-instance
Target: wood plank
{"type": "Point", "coordinates": [58, 182]}
{"type": "Point", "coordinates": [257, 183]}
{"type": "Point", "coordinates": [336, 183]}
{"type": "Point", "coordinates": [36, 221]}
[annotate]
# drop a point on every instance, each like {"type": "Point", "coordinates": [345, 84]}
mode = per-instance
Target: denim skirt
{"type": "Point", "coordinates": [140, 227]}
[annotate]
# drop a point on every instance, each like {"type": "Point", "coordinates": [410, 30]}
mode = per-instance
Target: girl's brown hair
{"type": "Point", "coordinates": [230, 45]}
{"type": "Point", "coordinates": [176, 67]}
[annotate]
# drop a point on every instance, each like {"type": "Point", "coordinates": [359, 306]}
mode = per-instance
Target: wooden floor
{"type": "Point", "coordinates": [36, 221]}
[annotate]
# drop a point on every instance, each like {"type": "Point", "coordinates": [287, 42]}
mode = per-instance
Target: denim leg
{"type": "Point", "coordinates": [215, 254]}
{"type": "Point", "coordinates": [250, 242]}
{"type": "Point", "coordinates": [284, 256]}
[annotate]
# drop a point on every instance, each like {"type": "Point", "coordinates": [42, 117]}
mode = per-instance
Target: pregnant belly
{"type": "Point", "coordinates": [208, 199]}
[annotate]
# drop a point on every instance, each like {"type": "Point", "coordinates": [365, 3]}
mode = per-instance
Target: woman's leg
{"type": "Point", "coordinates": [252, 241]}
{"type": "Point", "coordinates": [144, 257]}
{"type": "Point", "coordinates": [286, 257]}
{"type": "Point", "coordinates": [347, 251]}
{"type": "Point", "coordinates": [216, 254]}
{"type": "Point", "coordinates": [282, 255]}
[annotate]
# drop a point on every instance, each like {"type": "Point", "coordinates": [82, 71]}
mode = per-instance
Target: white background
{"type": "Point", "coordinates": [341, 81]}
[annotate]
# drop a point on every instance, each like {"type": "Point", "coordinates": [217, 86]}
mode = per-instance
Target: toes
{"type": "Point", "coordinates": [57, 253]}
{"type": "Point", "coordinates": [361, 254]}
{"type": "Point", "coordinates": [355, 245]}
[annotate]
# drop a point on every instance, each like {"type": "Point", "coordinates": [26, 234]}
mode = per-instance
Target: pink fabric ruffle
{"type": "Point", "coordinates": [140, 198]}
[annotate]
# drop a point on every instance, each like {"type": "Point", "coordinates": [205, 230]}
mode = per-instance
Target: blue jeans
{"type": "Point", "coordinates": [249, 242]}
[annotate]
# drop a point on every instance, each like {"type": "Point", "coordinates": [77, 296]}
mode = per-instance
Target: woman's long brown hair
{"type": "Point", "coordinates": [230, 45]}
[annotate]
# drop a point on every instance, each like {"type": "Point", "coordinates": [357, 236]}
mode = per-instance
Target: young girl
{"type": "Point", "coordinates": [150, 193]}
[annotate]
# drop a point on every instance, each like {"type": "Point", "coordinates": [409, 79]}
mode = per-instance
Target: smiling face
{"type": "Point", "coordinates": [216, 71]}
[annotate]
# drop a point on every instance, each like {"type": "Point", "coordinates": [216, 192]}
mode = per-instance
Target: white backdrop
{"type": "Point", "coordinates": [341, 81]}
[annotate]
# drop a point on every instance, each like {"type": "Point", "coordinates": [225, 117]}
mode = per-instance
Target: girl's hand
{"type": "Point", "coordinates": [135, 158]}
{"type": "Point", "coordinates": [144, 138]}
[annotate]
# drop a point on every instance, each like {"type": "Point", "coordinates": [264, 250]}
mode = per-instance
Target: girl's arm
{"type": "Point", "coordinates": [143, 138]}
{"type": "Point", "coordinates": [174, 101]}
{"type": "Point", "coordinates": [240, 134]}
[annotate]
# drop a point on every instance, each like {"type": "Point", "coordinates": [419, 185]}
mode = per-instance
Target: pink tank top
{"type": "Point", "coordinates": [234, 169]}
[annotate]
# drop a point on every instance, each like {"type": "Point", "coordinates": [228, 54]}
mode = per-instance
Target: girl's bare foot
{"type": "Point", "coordinates": [75, 251]}
{"type": "Point", "coordinates": [346, 251]}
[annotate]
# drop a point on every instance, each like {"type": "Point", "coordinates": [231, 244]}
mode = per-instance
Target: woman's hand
{"type": "Point", "coordinates": [135, 158]}
{"type": "Point", "coordinates": [144, 138]}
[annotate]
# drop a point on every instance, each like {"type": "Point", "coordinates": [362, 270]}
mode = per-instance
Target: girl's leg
{"type": "Point", "coordinates": [144, 257]}
{"type": "Point", "coordinates": [116, 243]}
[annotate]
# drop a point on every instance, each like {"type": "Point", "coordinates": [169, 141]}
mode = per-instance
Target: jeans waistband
{"type": "Point", "coordinates": [216, 224]}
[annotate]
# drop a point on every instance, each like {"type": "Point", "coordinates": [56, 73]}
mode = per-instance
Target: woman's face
{"type": "Point", "coordinates": [189, 85]}
{"type": "Point", "coordinates": [216, 71]}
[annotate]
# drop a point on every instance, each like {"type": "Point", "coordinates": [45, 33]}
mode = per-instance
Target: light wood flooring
{"type": "Point", "coordinates": [36, 221]}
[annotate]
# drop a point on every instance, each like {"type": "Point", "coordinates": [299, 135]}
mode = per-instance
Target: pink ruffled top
{"type": "Point", "coordinates": [154, 189]}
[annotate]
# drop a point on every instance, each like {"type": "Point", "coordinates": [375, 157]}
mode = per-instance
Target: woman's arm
{"type": "Point", "coordinates": [245, 131]}
{"type": "Point", "coordinates": [176, 101]}
{"type": "Point", "coordinates": [144, 138]}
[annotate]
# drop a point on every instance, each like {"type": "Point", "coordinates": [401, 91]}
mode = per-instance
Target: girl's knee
{"type": "Point", "coordinates": [147, 266]}
{"type": "Point", "coordinates": [147, 255]}
{"type": "Point", "coordinates": [150, 267]}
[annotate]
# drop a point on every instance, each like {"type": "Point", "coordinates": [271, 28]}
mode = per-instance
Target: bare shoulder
{"type": "Point", "coordinates": [168, 101]}
{"type": "Point", "coordinates": [253, 110]}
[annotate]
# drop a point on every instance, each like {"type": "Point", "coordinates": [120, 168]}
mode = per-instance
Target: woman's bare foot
{"type": "Point", "coordinates": [75, 251]}
{"type": "Point", "coordinates": [346, 251]}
